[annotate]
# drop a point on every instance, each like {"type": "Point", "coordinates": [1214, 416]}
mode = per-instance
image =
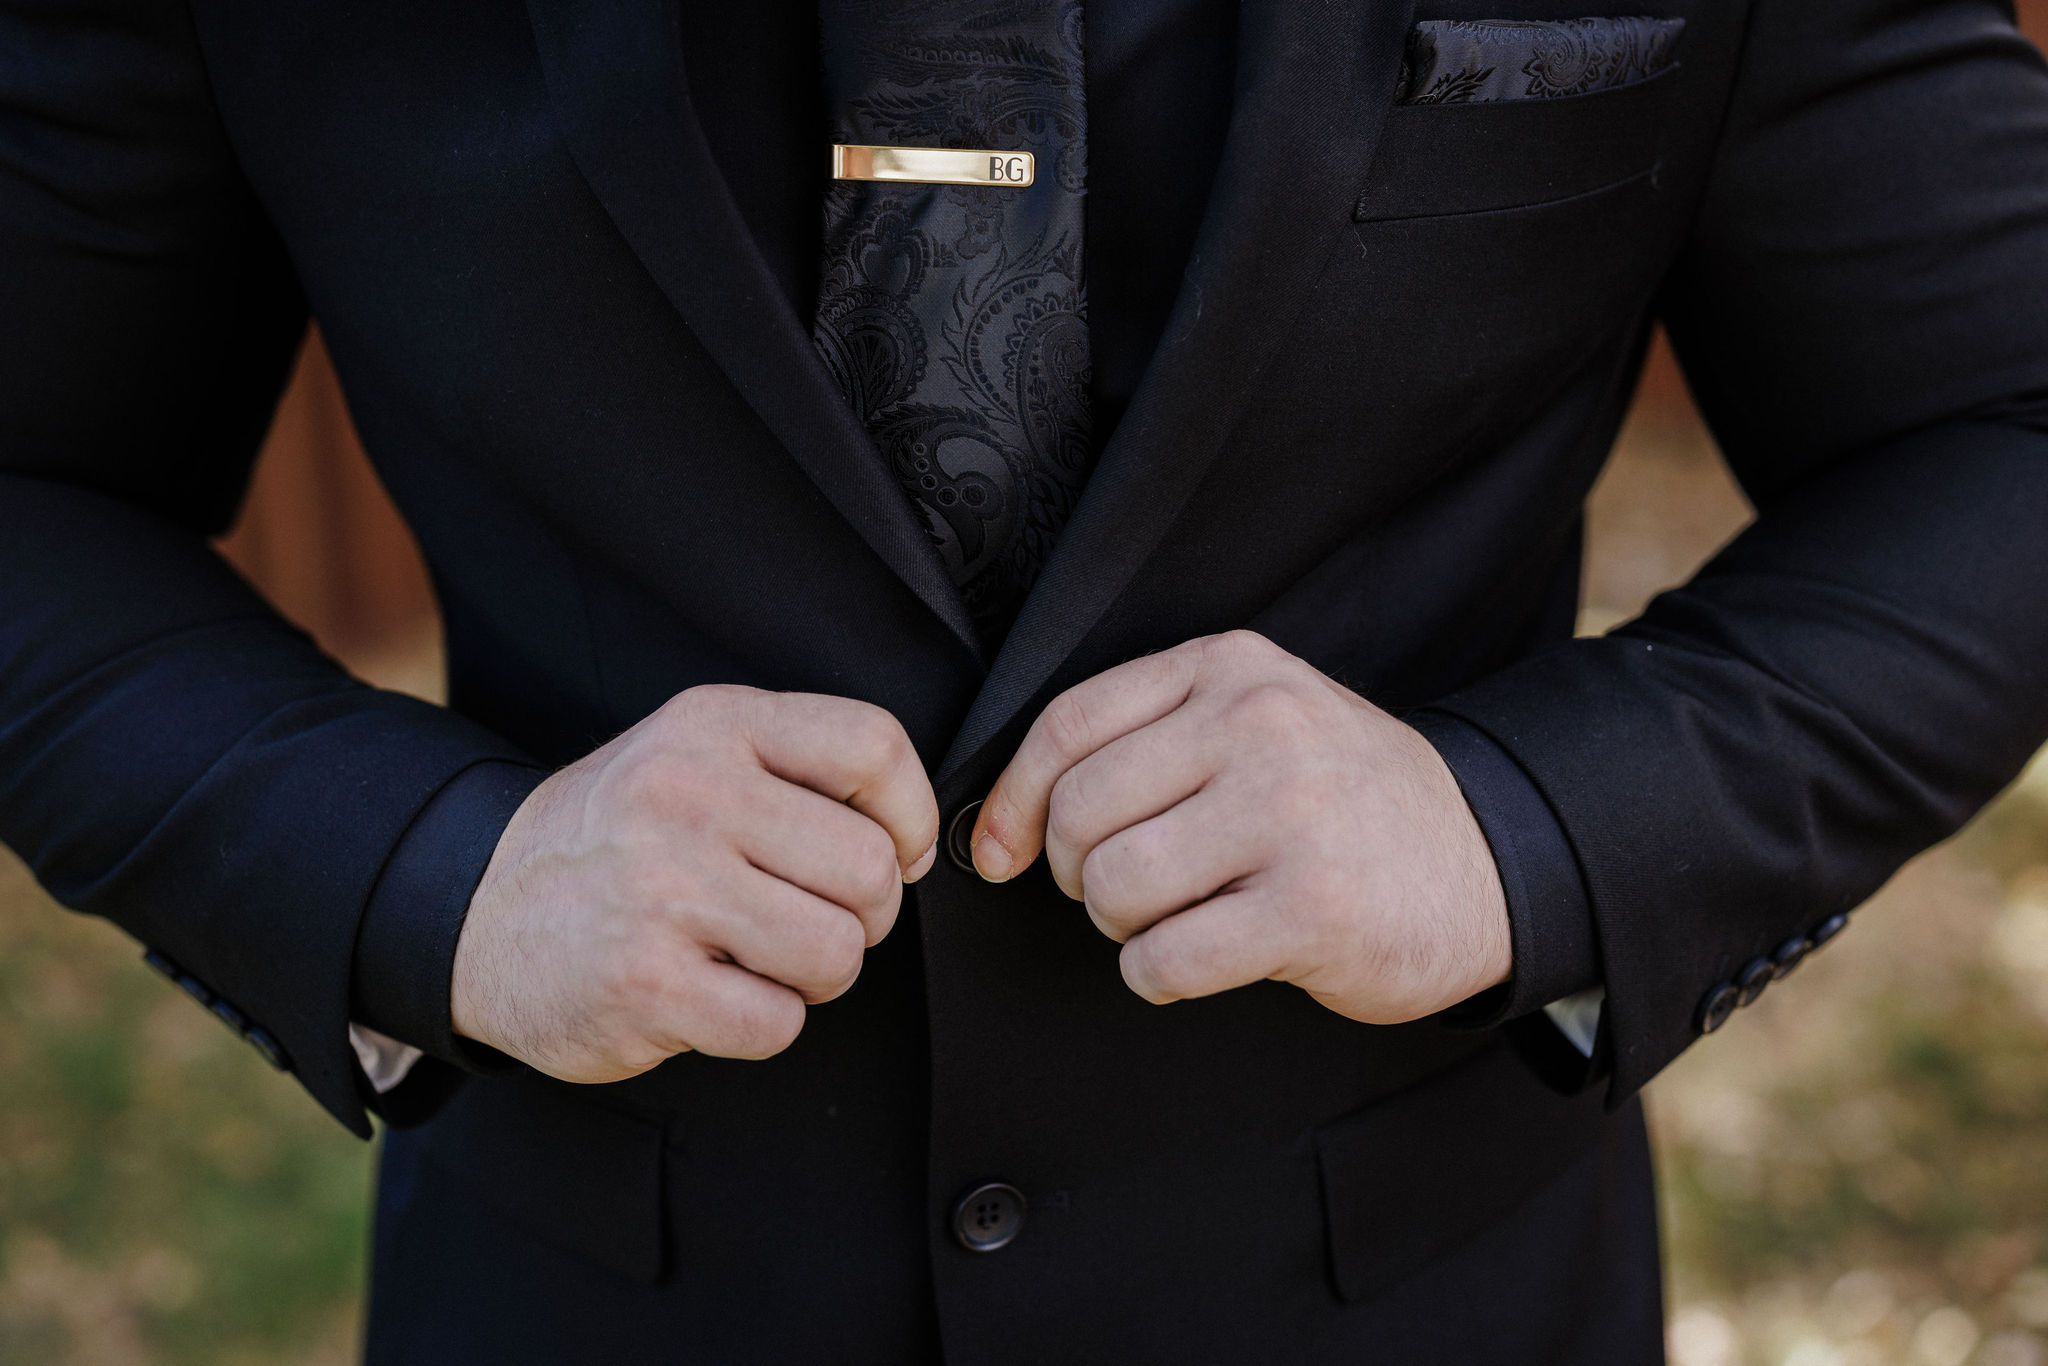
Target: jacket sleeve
{"type": "Point", "coordinates": [172, 755]}
{"type": "Point", "coordinates": [1863, 311]}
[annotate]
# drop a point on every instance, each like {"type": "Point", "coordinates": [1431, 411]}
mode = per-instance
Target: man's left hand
{"type": "Point", "coordinates": [1229, 814]}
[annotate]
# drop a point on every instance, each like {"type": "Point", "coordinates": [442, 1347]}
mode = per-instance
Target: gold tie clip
{"type": "Point", "coordinates": [934, 166]}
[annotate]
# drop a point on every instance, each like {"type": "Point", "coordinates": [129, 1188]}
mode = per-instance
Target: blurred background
{"type": "Point", "coordinates": [1855, 1170]}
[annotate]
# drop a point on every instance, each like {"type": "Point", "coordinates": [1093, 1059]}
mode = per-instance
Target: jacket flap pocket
{"type": "Point", "coordinates": [583, 1178]}
{"type": "Point", "coordinates": [1415, 1175]}
{"type": "Point", "coordinates": [1501, 154]}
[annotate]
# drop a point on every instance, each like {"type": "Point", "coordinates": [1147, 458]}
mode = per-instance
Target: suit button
{"type": "Point", "coordinates": [272, 1051]}
{"type": "Point", "coordinates": [1791, 954]}
{"type": "Point", "coordinates": [960, 838]}
{"type": "Point", "coordinates": [1829, 928]}
{"type": "Point", "coordinates": [1717, 1007]}
{"type": "Point", "coordinates": [989, 1217]}
{"type": "Point", "coordinates": [1759, 974]}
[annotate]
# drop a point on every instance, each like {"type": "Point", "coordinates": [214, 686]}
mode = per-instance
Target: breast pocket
{"type": "Point", "coordinates": [1459, 158]}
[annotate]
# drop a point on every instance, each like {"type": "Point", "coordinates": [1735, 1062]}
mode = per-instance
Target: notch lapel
{"type": "Point", "coordinates": [1316, 84]}
{"type": "Point", "coordinates": [614, 71]}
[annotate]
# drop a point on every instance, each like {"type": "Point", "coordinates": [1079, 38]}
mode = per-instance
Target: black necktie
{"type": "Point", "coordinates": [953, 316]}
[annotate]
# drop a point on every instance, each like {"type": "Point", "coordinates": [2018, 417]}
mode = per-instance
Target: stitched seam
{"type": "Point", "coordinates": [1644, 174]}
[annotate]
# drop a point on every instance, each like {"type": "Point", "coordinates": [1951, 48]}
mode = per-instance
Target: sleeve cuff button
{"type": "Point", "coordinates": [1760, 973]}
{"type": "Point", "coordinates": [1790, 955]}
{"type": "Point", "coordinates": [272, 1051]}
{"type": "Point", "coordinates": [1829, 928]}
{"type": "Point", "coordinates": [1715, 1009]}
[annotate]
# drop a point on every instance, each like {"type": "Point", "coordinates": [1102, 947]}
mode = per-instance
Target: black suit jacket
{"type": "Point", "coordinates": [1397, 361]}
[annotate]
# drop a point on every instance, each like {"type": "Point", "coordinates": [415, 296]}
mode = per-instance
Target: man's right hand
{"type": "Point", "coordinates": [694, 884]}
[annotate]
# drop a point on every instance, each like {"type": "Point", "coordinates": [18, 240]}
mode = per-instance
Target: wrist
{"type": "Point", "coordinates": [1476, 901]}
{"type": "Point", "coordinates": [1482, 911]}
{"type": "Point", "coordinates": [1552, 945]}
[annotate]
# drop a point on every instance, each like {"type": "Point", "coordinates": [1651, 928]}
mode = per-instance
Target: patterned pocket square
{"type": "Point", "coordinates": [1459, 61]}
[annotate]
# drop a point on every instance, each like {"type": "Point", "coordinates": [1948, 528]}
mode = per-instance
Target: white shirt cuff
{"type": "Point", "coordinates": [1577, 1017]}
{"type": "Point", "coordinates": [385, 1060]}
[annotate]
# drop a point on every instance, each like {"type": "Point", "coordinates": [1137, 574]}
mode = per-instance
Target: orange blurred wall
{"type": "Point", "coordinates": [320, 539]}
{"type": "Point", "coordinates": [318, 535]}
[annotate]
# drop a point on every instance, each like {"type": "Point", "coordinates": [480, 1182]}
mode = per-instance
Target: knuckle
{"type": "Point", "coordinates": [927, 831]}
{"type": "Point", "coordinates": [1237, 646]}
{"type": "Point", "coordinates": [879, 920]}
{"type": "Point", "coordinates": [767, 1025]}
{"type": "Point", "coordinates": [1165, 974]}
{"type": "Point", "coordinates": [1067, 819]}
{"type": "Point", "coordinates": [1106, 876]}
{"type": "Point", "coordinates": [1167, 966]}
{"type": "Point", "coordinates": [1229, 642]}
{"type": "Point", "coordinates": [876, 739]}
{"type": "Point", "coordinates": [714, 705]}
{"type": "Point", "coordinates": [1271, 709]}
{"type": "Point", "coordinates": [841, 950]}
{"type": "Point", "coordinates": [875, 876]}
{"type": "Point", "coordinates": [1068, 725]}
{"type": "Point", "coordinates": [1067, 878]}
{"type": "Point", "coordinates": [1109, 928]}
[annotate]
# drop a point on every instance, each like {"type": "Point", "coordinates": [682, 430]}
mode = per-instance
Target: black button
{"type": "Point", "coordinates": [1717, 1007]}
{"type": "Point", "coordinates": [1829, 928]}
{"type": "Point", "coordinates": [1760, 973]}
{"type": "Point", "coordinates": [960, 837]}
{"type": "Point", "coordinates": [181, 979]}
{"type": "Point", "coordinates": [989, 1217]}
{"type": "Point", "coordinates": [1791, 954]}
{"type": "Point", "coordinates": [272, 1051]}
{"type": "Point", "coordinates": [258, 1039]}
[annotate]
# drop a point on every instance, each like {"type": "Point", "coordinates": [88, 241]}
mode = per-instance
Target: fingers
{"type": "Point", "coordinates": [786, 934]}
{"type": "Point", "coordinates": [1129, 780]}
{"type": "Point", "coordinates": [854, 753]}
{"type": "Point", "coordinates": [1226, 942]}
{"type": "Point", "coordinates": [831, 851]}
{"type": "Point", "coordinates": [729, 1012]}
{"type": "Point", "coordinates": [1011, 827]}
{"type": "Point", "coordinates": [1148, 872]}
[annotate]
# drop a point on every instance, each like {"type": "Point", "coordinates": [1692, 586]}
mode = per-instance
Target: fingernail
{"type": "Point", "coordinates": [923, 864]}
{"type": "Point", "coordinates": [991, 860]}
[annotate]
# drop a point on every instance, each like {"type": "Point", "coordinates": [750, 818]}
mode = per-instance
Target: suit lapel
{"type": "Point", "coordinates": [615, 73]}
{"type": "Point", "coordinates": [1316, 81]}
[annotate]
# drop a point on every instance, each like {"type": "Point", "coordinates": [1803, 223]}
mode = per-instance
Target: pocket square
{"type": "Point", "coordinates": [1459, 61]}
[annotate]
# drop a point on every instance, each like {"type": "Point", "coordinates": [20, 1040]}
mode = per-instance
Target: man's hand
{"type": "Point", "coordinates": [1228, 814]}
{"type": "Point", "coordinates": [694, 884]}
